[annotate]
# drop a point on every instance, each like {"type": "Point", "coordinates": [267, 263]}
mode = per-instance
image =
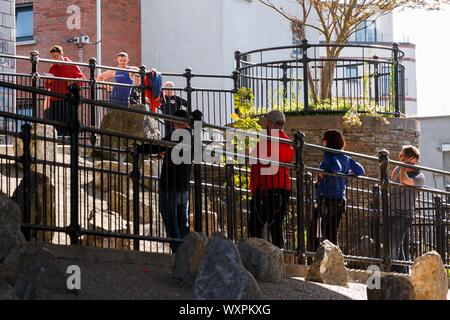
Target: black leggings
{"type": "Point", "coordinates": [331, 211]}
{"type": "Point", "coordinates": [269, 207]}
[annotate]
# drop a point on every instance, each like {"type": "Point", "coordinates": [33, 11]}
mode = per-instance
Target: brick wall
{"type": "Point", "coordinates": [121, 30]}
{"type": "Point", "coordinates": [372, 135]}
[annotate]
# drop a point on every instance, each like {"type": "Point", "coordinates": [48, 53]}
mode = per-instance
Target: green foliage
{"type": "Point", "coordinates": [245, 119]}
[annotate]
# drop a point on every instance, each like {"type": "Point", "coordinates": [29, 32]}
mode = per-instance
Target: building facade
{"type": "Point", "coordinates": [84, 28]}
{"type": "Point", "coordinates": [215, 29]}
{"type": "Point", "coordinates": [435, 148]}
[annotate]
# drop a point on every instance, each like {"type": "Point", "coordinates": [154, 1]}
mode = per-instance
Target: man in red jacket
{"type": "Point", "coordinates": [59, 109]}
{"type": "Point", "coordinates": [270, 182]}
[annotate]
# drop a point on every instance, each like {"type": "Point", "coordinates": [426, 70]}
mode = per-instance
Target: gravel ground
{"type": "Point", "coordinates": [122, 281]}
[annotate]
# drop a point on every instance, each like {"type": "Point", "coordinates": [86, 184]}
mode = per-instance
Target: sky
{"type": "Point", "coordinates": [429, 31]}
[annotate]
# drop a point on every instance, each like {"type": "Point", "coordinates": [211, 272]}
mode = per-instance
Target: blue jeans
{"type": "Point", "coordinates": [399, 225]}
{"type": "Point", "coordinates": [174, 208]}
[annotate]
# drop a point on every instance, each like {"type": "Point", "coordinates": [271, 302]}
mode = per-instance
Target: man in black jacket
{"type": "Point", "coordinates": [171, 103]}
{"type": "Point", "coordinates": [173, 184]}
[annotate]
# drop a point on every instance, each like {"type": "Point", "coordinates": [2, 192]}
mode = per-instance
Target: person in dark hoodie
{"type": "Point", "coordinates": [331, 189]}
{"type": "Point", "coordinates": [173, 185]}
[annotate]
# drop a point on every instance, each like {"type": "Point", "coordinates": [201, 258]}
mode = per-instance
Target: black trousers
{"type": "Point", "coordinates": [59, 111]}
{"type": "Point", "coordinates": [269, 207]}
{"type": "Point", "coordinates": [331, 211]}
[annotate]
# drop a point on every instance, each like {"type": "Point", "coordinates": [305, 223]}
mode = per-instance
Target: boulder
{"type": "Point", "coordinates": [121, 204]}
{"type": "Point", "coordinates": [392, 287]}
{"type": "Point", "coordinates": [113, 176]}
{"type": "Point", "coordinates": [209, 222]}
{"type": "Point", "coordinates": [108, 242]}
{"type": "Point", "coordinates": [151, 168]}
{"type": "Point", "coordinates": [124, 121]}
{"type": "Point", "coordinates": [188, 257]}
{"type": "Point", "coordinates": [42, 199]}
{"type": "Point", "coordinates": [10, 234]}
{"type": "Point", "coordinates": [7, 292]}
{"type": "Point", "coordinates": [264, 260]}
{"type": "Point", "coordinates": [39, 276]}
{"type": "Point", "coordinates": [429, 278]}
{"type": "Point", "coordinates": [40, 149]}
{"type": "Point", "coordinates": [328, 266]}
{"type": "Point", "coordinates": [221, 275]}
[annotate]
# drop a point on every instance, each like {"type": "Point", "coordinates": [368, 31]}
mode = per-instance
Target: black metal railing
{"type": "Point", "coordinates": [303, 79]}
{"type": "Point", "coordinates": [73, 189]}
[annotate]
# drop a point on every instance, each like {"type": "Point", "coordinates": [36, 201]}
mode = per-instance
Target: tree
{"type": "Point", "coordinates": [337, 21]}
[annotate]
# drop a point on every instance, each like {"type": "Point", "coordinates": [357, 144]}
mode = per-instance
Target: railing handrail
{"type": "Point", "coordinates": [308, 46]}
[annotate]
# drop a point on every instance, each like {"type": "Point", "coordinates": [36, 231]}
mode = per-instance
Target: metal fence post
{"type": "Point", "coordinates": [188, 89]}
{"type": "Point", "coordinates": [285, 81]}
{"type": "Point", "coordinates": [383, 157]}
{"type": "Point", "coordinates": [93, 92]}
{"type": "Point", "coordinates": [236, 79]}
{"type": "Point", "coordinates": [26, 162]}
{"type": "Point", "coordinates": [440, 227]}
{"type": "Point", "coordinates": [396, 80]}
{"type": "Point", "coordinates": [74, 129]}
{"type": "Point", "coordinates": [376, 77]}
{"type": "Point", "coordinates": [300, 172]}
{"type": "Point", "coordinates": [34, 56]}
{"type": "Point", "coordinates": [375, 221]}
{"type": "Point", "coordinates": [135, 176]}
{"type": "Point", "coordinates": [305, 62]}
{"type": "Point", "coordinates": [142, 75]}
{"type": "Point", "coordinates": [197, 116]}
{"type": "Point", "coordinates": [237, 59]}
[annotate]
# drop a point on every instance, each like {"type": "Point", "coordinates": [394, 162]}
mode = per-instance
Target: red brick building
{"type": "Point", "coordinates": [44, 23]}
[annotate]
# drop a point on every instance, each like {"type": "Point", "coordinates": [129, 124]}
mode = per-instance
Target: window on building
{"type": "Point", "coordinates": [385, 80]}
{"type": "Point", "coordinates": [351, 73]}
{"type": "Point", "coordinates": [296, 42]}
{"type": "Point", "coordinates": [24, 22]}
{"type": "Point", "coordinates": [446, 167]}
{"type": "Point", "coordinates": [366, 32]}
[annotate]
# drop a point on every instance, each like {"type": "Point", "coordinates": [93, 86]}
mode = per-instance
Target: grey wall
{"type": "Point", "coordinates": [7, 34]}
{"type": "Point", "coordinates": [434, 132]}
{"type": "Point", "coordinates": [7, 46]}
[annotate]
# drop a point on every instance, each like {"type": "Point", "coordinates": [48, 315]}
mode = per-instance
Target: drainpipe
{"type": "Point", "coordinates": [99, 33]}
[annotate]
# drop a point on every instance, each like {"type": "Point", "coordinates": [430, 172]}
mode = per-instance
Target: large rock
{"type": "Point", "coordinates": [113, 176]}
{"type": "Point", "coordinates": [42, 198]}
{"type": "Point", "coordinates": [210, 222]}
{"type": "Point", "coordinates": [108, 242]}
{"type": "Point", "coordinates": [429, 277]}
{"type": "Point", "coordinates": [392, 287]}
{"type": "Point", "coordinates": [264, 260]}
{"type": "Point", "coordinates": [328, 266]}
{"type": "Point", "coordinates": [10, 234]}
{"type": "Point", "coordinates": [38, 275]}
{"type": "Point", "coordinates": [134, 124]}
{"type": "Point", "coordinates": [189, 256]}
{"type": "Point", "coordinates": [7, 292]}
{"type": "Point", "coordinates": [121, 204]}
{"type": "Point", "coordinates": [40, 148]}
{"type": "Point", "coordinates": [222, 276]}
{"type": "Point", "coordinates": [150, 170]}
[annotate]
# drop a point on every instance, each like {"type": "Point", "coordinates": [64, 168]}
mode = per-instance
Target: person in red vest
{"type": "Point", "coordinates": [270, 182]}
{"type": "Point", "coordinates": [59, 109]}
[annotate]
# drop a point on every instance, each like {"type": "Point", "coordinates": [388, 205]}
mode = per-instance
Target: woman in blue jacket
{"type": "Point", "coordinates": [331, 190]}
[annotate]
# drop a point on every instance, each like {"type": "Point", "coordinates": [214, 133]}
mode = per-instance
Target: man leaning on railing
{"type": "Point", "coordinates": [59, 108]}
{"type": "Point", "coordinates": [403, 202]}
